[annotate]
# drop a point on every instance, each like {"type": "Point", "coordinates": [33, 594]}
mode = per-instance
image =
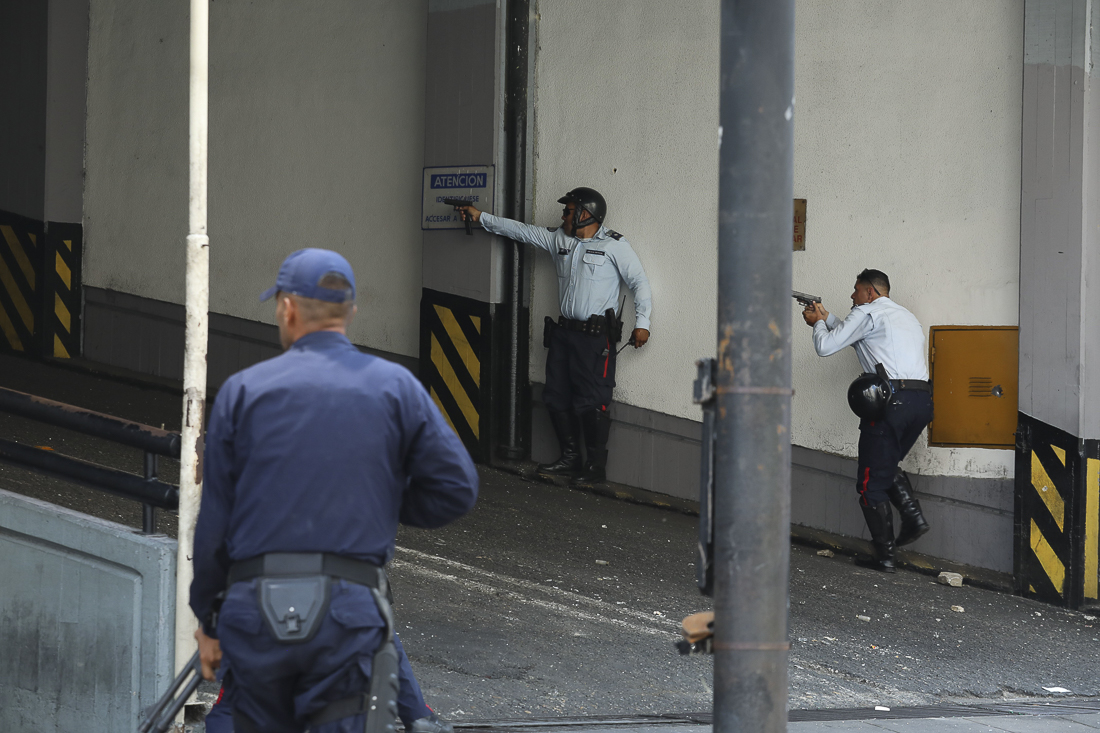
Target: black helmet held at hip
{"type": "Point", "coordinates": [869, 396]}
{"type": "Point", "coordinates": [586, 199]}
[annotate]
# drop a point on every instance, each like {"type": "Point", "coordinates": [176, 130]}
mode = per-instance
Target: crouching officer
{"type": "Point", "coordinates": [893, 399]}
{"type": "Point", "coordinates": [591, 261]}
{"type": "Point", "coordinates": [312, 458]}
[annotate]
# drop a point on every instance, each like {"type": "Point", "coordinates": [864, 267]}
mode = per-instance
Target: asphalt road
{"type": "Point", "coordinates": [547, 602]}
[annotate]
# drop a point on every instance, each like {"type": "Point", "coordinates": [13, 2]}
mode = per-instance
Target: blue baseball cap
{"type": "Point", "coordinates": [302, 272]}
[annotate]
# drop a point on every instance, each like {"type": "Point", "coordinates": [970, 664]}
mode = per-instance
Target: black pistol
{"type": "Point", "coordinates": [465, 218]}
{"type": "Point", "coordinates": [805, 299]}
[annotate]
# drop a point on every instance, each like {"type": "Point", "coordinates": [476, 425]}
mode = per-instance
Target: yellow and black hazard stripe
{"type": "Point", "coordinates": [62, 310]}
{"type": "Point", "coordinates": [1091, 545]}
{"type": "Point", "coordinates": [21, 246]}
{"type": "Point", "coordinates": [455, 339]}
{"type": "Point", "coordinates": [1057, 518]}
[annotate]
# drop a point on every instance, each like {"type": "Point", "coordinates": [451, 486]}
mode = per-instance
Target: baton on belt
{"type": "Point", "coordinates": [465, 218]}
{"type": "Point", "coordinates": [160, 717]}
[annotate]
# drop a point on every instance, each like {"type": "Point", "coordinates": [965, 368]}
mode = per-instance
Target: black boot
{"type": "Point", "coordinates": [880, 520]}
{"type": "Point", "coordinates": [597, 428]}
{"type": "Point", "coordinates": [913, 523]}
{"type": "Point", "coordinates": [567, 430]}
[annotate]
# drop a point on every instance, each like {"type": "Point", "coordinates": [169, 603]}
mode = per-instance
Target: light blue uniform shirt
{"type": "Point", "coordinates": [589, 270]}
{"type": "Point", "coordinates": [881, 332]}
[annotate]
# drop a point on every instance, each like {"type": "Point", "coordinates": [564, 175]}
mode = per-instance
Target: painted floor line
{"type": "Point", "coordinates": [528, 585]}
{"type": "Point", "coordinates": [562, 609]}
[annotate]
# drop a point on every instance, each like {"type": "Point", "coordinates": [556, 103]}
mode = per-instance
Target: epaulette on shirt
{"type": "Point", "coordinates": [613, 234]}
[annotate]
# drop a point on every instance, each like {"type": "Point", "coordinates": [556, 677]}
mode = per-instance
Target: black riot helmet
{"type": "Point", "coordinates": [585, 199]}
{"type": "Point", "coordinates": [869, 396]}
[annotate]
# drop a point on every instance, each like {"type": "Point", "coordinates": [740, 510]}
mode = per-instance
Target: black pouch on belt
{"type": "Point", "coordinates": [294, 607]}
{"type": "Point", "coordinates": [548, 326]}
{"type": "Point", "coordinates": [614, 326]}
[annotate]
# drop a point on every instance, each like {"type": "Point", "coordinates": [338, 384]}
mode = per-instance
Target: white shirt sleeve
{"type": "Point", "coordinates": [536, 236]}
{"type": "Point", "coordinates": [828, 341]}
{"type": "Point", "coordinates": [632, 273]}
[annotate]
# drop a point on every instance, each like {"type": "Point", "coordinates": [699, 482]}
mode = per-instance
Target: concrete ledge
{"type": "Point", "coordinates": [86, 623]}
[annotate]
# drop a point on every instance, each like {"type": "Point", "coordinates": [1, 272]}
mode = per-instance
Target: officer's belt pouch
{"type": "Point", "coordinates": [880, 370]}
{"type": "Point", "coordinates": [294, 607]}
{"type": "Point", "coordinates": [548, 326]}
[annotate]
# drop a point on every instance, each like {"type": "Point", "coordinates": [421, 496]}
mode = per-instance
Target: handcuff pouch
{"type": "Point", "coordinates": [294, 607]}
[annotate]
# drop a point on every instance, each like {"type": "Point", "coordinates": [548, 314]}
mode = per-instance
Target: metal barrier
{"type": "Point", "coordinates": [147, 489]}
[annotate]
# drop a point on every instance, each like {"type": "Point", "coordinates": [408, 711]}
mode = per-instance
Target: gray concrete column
{"type": "Point", "coordinates": [1060, 218]}
{"type": "Point", "coordinates": [473, 327]}
{"type": "Point", "coordinates": [66, 110]}
{"type": "Point", "coordinates": [461, 128]}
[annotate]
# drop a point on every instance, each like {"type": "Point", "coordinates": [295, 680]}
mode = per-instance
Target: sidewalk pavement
{"type": "Point", "coordinates": [1064, 716]}
{"type": "Point", "coordinates": [980, 724]}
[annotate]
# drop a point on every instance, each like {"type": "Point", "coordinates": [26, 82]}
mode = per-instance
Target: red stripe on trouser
{"type": "Point", "coordinates": [863, 488]}
{"type": "Point", "coordinates": [606, 359]}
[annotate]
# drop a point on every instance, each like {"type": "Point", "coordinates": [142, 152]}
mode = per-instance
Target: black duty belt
{"type": "Point", "coordinates": [594, 325]}
{"type": "Point", "coordinates": [283, 564]}
{"type": "Point", "coordinates": [916, 384]}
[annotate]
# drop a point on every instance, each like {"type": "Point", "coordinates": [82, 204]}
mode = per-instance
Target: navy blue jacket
{"type": "Point", "coordinates": [322, 449]}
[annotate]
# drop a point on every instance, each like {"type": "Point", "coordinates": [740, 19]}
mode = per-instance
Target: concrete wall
{"type": "Point", "coordinates": [627, 102]}
{"type": "Point", "coordinates": [907, 134]}
{"type": "Point", "coordinates": [316, 139]}
{"type": "Point", "coordinates": [86, 642]}
{"type": "Point", "coordinates": [23, 25]}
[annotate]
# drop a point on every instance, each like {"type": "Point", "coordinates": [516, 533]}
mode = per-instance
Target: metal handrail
{"type": "Point", "coordinates": [101, 425]}
{"type": "Point", "coordinates": [147, 489]}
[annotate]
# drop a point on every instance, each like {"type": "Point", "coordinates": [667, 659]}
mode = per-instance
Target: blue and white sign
{"type": "Point", "coordinates": [473, 183]}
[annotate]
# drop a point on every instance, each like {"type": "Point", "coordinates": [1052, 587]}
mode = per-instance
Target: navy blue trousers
{"type": "Point", "coordinates": [884, 443]}
{"type": "Point", "coordinates": [277, 687]}
{"type": "Point", "coordinates": [410, 699]}
{"type": "Point", "coordinates": [580, 372]}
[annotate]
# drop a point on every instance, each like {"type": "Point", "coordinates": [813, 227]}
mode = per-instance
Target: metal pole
{"type": "Point", "coordinates": [753, 454]}
{"type": "Point", "coordinates": [148, 511]}
{"type": "Point", "coordinates": [197, 307]}
{"type": "Point", "coordinates": [513, 446]}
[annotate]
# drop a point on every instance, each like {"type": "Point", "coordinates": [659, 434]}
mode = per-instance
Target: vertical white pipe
{"type": "Point", "coordinates": [195, 338]}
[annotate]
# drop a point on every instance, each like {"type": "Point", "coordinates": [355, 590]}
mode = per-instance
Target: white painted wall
{"type": "Point", "coordinates": [316, 139]}
{"type": "Point", "coordinates": [907, 146]}
{"type": "Point", "coordinates": [626, 102]}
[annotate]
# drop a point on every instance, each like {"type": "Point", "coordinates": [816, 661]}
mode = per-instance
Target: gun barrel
{"type": "Point", "coordinates": [805, 298]}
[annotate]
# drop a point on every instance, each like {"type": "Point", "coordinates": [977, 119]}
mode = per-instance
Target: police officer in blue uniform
{"type": "Point", "coordinates": [591, 262]}
{"type": "Point", "coordinates": [888, 341]}
{"type": "Point", "coordinates": [311, 460]}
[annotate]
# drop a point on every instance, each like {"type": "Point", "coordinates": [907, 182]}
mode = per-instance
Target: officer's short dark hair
{"type": "Point", "coordinates": [313, 309]}
{"type": "Point", "coordinates": [876, 279]}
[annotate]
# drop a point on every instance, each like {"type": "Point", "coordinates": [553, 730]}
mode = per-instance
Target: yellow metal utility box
{"type": "Point", "coordinates": [975, 385]}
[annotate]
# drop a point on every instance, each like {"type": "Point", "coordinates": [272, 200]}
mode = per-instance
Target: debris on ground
{"type": "Point", "coordinates": [826, 553]}
{"type": "Point", "coordinates": [957, 609]}
{"type": "Point", "coordinates": [955, 580]}
{"type": "Point", "coordinates": [864, 618]}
